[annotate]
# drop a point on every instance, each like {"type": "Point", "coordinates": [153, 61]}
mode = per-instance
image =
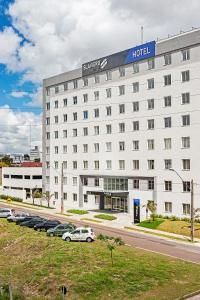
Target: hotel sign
{"type": "Point", "coordinates": [134, 54]}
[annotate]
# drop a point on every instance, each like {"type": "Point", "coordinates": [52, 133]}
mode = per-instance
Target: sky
{"type": "Point", "coordinates": [39, 39]}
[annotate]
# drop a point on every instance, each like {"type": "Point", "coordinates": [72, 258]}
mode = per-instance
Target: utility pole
{"type": "Point", "coordinates": [192, 210]}
{"type": "Point", "coordinates": [142, 33]}
{"type": "Point", "coordinates": [61, 182]}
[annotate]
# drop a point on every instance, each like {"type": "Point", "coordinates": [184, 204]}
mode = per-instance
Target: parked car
{"type": "Point", "coordinates": [60, 229]}
{"type": "Point", "coordinates": [46, 225]}
{"type": "Point", "coordinates": [25, 219]}
{"type": "Point", "coordinates": [6, 212]}
{"type": "Point", "coordinates": [80, 234]}
{"type": "Point", "coordinates": [31, 223]}
{"type": "Point", "coordinates": [16, 217]}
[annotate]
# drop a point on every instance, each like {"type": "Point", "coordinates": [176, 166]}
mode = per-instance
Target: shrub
{"type": "Point", "coordinates": [5, 197]}
{"type": "Point", "coordinates": [105, 217]}
{"type": "Point", "coordinates": [78, 211]}
{"type": "Point", "coordinates": [174, 218]}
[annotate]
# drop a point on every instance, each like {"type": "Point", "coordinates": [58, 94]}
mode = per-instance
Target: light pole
{"type": "Point", "coordinates": [191, 204]}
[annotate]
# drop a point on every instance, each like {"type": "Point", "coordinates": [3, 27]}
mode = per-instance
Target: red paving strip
{"type": "Point", "coordinates": [175, 249]}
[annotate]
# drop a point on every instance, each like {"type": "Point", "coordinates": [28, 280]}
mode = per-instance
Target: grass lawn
{"type": "Point", "coordinates": [37, 266]}
{"type": "Point", "coordinates": [166, 225]}
{"type": "Point", "coordinates": [105, 217]}
{"type": "Point", "coordinates": [78, 211]}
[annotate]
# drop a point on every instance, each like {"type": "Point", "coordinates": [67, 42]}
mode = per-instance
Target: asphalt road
{"type": "Point", "coordinates": [138, 240]}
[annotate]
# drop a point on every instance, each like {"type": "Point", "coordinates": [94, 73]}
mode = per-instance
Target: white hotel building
{"type": "Point", "coordinates": [118, 126]}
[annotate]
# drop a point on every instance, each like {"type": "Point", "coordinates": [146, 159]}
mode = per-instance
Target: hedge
{"type": "Point", "coordinates": [5, 197]}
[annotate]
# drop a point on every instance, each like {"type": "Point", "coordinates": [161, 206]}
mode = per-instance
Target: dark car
{"type": "Point", "coordinates": [60, 229]}
{"type": "Point", "coordinates": [25, 219]}
{"type": "Point", "coordinates": [31, 223]}
{"type": "Point", "coordinates": [46, 225]}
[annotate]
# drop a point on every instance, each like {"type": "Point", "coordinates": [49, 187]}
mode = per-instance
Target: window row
{"type": "Point", "coordinates": [185, 208]}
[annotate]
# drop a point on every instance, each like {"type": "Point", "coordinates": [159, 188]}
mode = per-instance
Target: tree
{"type": "Point", "coordinates": [111, 243]}
{"type": "Point", "coordinates": [152, 207]}
{"type": "Point", "coordinates": [7, 160]}
{"type": "Point", "coordinates": [47, 196]}
{"type": "Point", "coordinates": [36, 194]}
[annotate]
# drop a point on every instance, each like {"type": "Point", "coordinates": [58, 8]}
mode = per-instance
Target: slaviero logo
{"type": "Point", "coordinates": [103, 63]}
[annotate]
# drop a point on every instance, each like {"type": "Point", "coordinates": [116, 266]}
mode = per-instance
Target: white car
{"type": "Point", "coordinates": [15, 217]}
{"type": "Point", "coordinates": [80, 234]}
{"type": "Point", "coordinates": [6, 212]}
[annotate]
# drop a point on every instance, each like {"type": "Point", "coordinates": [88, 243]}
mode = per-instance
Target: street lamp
{"type": "Point", "coordinates": [191, 205]}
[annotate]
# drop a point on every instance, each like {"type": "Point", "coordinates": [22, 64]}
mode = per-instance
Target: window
{"type": "Point", "coordinates": [135, 87]}
{"type": "Point", "coordinates": [121, 146]}
{"type": "Point", "coordinates": [85, 98]}
{"type": "Point", "coordinates": [186, 120]}
{"type": "Point", "coordinates": [56, 195]}
{"type": "Point", "coordinates": [108, 129]}
{"type": "Point", "coordinates": [75, 83]}
{"type": "Point", "coordinates": [56, 104]}
{"type": "Point", "coordinates": [185, 98]}
{"type": "Point", "coordinates": [151, 64]}
{"type": "Point", "coordinates": [56, 149]}
{"type": "Point", "coordinates": [186, 209]}
{"type": "Point", "coordinates": [65, 118]}
{"type": "Point", "coordinates": [150, 144]}
{"type": "Point", "coordinates": [108, 110]}
{"type": "Point", "coordinates": [186, 164]}
{"type": "Point", "coordinates": [186, 186]}
{"type": "Point", "coordinates": [65, 133]}
{"type": "Point", "coordinates": [96, 95]}
{"type": "Point", "coordinates": [56, 164]}
{"type": "Point", "coordinates": [135, 106]}
{"type": "Point", "coordinates": [96, 147]}
{"type": "Point", "coordinates": [85, 114]}
{"type": "Point", "coordinates": [85, 181]}
{"type": "Point", "coordinates": [64, 196]}
{"type": "Point", "coordinates": [75, 100]}
{"type": "Point", "coordinates": [136, 164]}
{"type": "Point", "coordinates": [47, 121]}
{"type": "Point", "coordinates": [56, 119]}
{"type": "Point", "coordinates": [64, 164]}
{"type": "Point", "coordinates": [150, 103]}
{"type": "Point", "coordinates": [75, 116]}
{"type": "Point", "coordinates": [167, 59]}
{"type": "Point", "coordinates": [65, 86]}
{"type": "Point", "coordinates": [168, 186]}
{"type": "Point", "coordinates": [47, 91]}
{"type": "Point", "coordinates": [85, 148]}
{"type": "Point", "coordinates": [136, 184]}
{"type": "Point", "coordinates": [108, 75]}
{"type": "Point", "coordinates": [96, 181]}
{"type": "Point", "coordinates": [85, 164]}
{"type": "Point", "coordinates": [85, 200]}
{"type": "Point", "coordinates": [96, 130]}
{"type": "Point", "coordinates": [185, 76]}
{"type": "Point", "coordinates": [96, 164]}
{"type": "Point", "coordinates": [150, 164]}
{"type": "Point", "coordinates": [136, 145]}
{"type": "Point", "coordinates": [168, 207]}
{"type": "Point", "coordinates": [64, 149]}
{"type": "Point", "coordinates": [185, 54]}
{"type": "Point", "coordinates": [108, 164]}
{"type": "Point", "coordinates": [47, 150]}
{"type": "Point", "coordinates": [74, 197]}
{"type": "Point", "coordinates": [122, 164]}
{"type": "Point", "coordinates": [108, 93]}
{"type": "Point", "coordinates": [74, 148]}
{"type": "Point", "coordinates": [135, 125]}
{"type": "Point", "coordinates": [121, 127]}
{"type": "Point", "coordinates": [74, 165]}
{"type": "Point", "coordinates": [150, 184]}
{"type": "Point", "coordinates": [122, 108]}
{"type": "Point", "coordinates": [108, 146]}
{"type": "Point", "coordinates": [119, 184]}
{"type": "Point", "coordinates": [150, 83]}
{"type": "Point", "coordinates": [96, 78]}
{"type": "Point", "coordinates": [96, 112]}
{"type": "Point", "coordinates": [185, 142]}
{"type": "Point", "coordinates": [167, 143]}
{"type": "Point", "coordinates": [168, 122]}
{"type": "Point", "coordinates": [121, 71]}
{"type": "Point", "coordinates": [135, 68]}
{"type": "Point", "coordinates": [56, 134]}
{"type": "Point", "coordinates": [48, 135]}
{"type": "Point", "coordinates": [167, 101]}
{"type": "Point", "coordinates": [167, 80]}
{"type": "Point", "coordinates": [168, 164]}
{"type": "Point", "coordinates": [56, 89]}
{"type": "Point", "coordinates": [121, 90]}
{"type": "Point", "coordinates": [74, 132]}
{"type": "Point", "coordinates": [56, 179]}
{"type": "Point", "coordinates": [85, 131]}
{"type": "Point", "coordinates": [48, 106]}
{"type": "Point", "coordinates": [85, 81]}
{"type": "Point", "coordinates": [65, 102]}
{"type": "Point", "coordinates": [150, 124]}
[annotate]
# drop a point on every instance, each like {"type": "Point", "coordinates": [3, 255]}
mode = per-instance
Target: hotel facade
{"type": "Point", "coordinates": [114, 129]}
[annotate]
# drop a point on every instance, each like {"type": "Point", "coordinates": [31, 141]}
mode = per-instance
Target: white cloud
{"type": "Point", "coordinates": [19, 94]}
{"type": "Point", "coordinates": [15, 130]}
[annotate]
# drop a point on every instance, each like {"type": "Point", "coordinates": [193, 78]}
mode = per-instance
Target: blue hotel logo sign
{"type": "Point", "coordinates": [134, 54]}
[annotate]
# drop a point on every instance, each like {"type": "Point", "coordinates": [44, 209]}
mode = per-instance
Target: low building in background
{"type": "Point", "coordinates": [35, 154]}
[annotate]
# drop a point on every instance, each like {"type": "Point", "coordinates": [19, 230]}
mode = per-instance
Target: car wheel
{"type": "Point", "coordinates": [51, 234]}
{"type": "Point", "coordinates": [89, 240]}
{"type": "Point", "coordinates": [67, 239]}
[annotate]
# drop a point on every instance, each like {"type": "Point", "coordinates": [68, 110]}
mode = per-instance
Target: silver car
{"type": "Point", "coordinates": [6, 212]}
{"type": "Point", "coordinates": [16, 217]}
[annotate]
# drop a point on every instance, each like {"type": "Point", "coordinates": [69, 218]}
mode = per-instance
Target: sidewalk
{"type": "Point", "coordinates": [124, 221]}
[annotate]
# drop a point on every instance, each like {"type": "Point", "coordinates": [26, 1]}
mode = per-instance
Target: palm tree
{"type": "Point", "coordinates": [47, 196]}
{"type": "Point", "coordinates": [152, 207]}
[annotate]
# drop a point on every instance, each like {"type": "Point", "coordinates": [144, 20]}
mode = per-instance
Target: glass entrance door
{"type": "Point", "coordinates": [119, 204]}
